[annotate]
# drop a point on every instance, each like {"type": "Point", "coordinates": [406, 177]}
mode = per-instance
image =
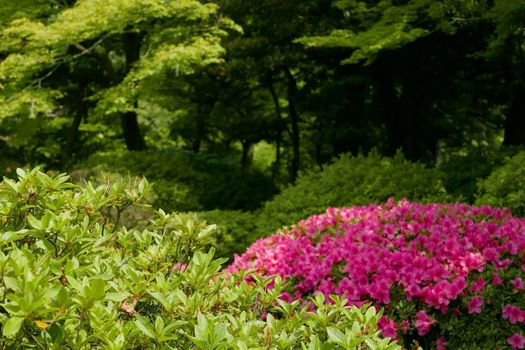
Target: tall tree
{"type": "Point", "coordinates": [128, 43]}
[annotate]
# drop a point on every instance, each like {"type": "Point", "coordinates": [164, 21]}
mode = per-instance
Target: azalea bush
{"type": "Point", "coordinates": [448, 276]}
{"type": "Point", "coordinates": [72, 276]}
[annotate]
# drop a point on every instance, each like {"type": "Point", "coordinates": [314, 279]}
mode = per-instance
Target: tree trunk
{"type": "Point", "coordinates": [79, 113]}
{"type": "Point", "coordinates": [402, 113]}
{"type": "Point", "coordinates": [247, 154]}
{"type": "Point", "coordinates": [389, 108]}
{"type": "Point", "coordinates": [200, 128]}
{"type": "Point", "coordinates": [278, 131]}
{"type": "Point", "coordinates": [515, 119]}
{"type": "Point", "coordinates": [130, 125]}
{"type": "Point", "coordinates": [294, 119]}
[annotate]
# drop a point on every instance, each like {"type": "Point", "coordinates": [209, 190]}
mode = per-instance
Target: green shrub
{"type": "Point", "coordinates": [462, 172]}
{"type": "Point", "coordinates": [185, 181]}
{"type": "Point", "coordinates": [351, 181]}
{"type": "Point", "coordinates": [72, 277]}
{"type": "Point", "coordinates": [505, 186]}
{"type": "Point", "coordinates": [235, 230]}
{"type": "Point", "coordinates": [347, 181]}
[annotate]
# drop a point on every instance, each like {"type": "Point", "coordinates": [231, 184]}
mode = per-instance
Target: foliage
{"type": "Point", "coordinates": [347, 181]}
{"type": "Point", "coordinates": [185, 181]}
{"type": "Point", "coordinates": [352, 181]}
{"type": "Point", "coordinates": [454, 272]}
{"type": "Point", "coordinates": [98, 59]}
{"type": "Point", "coordinates": [462, 172]}
{"type": "Point", "coordinates": [505, 186]}
{"type": "Point", "coordinates": [236, 230]}
{"type": "Point", "coordinates": [74, 278]}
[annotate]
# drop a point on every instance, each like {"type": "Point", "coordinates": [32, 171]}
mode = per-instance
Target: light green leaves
{"type": "Point", "coordinates": [209, 334]}
{"type": "Point", "coordinates": [12, 326]}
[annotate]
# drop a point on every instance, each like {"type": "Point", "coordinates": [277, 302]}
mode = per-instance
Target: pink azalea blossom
{"type": "Point", "coordinates": [423, 322]}
{"type": "Point", "coordinates": [441, 344]}
{"type": "Point", "coordinates": [496, 280]}
{"type": "Point", "coordinates": [431, 255]}
{"type": "Point", "coordinates": [517, 283]}
{"type": "Point", "coordinates": [178, 267]}
{"type": "Point", "coordinates": [513, 313]}
{"type": "Point", "coordinates": [405, 326]}
{"type": "Point", "coordinates": [517, 341]}
{"type": "Point", "coordinates": [387, 327]}
{"type": "Point", "coordinates": [474, 305]}
{"type": "Point", "coordinates": [478, 285]}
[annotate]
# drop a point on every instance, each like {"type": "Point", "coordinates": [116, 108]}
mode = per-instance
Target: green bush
{"type": "Point", "coordinates": [235, 230]}
{"type": "Point", "coordinates": [347, 181]}
{"type": "Point", "coordinates": [462, 172]}
{"type": "Point", "coordinates": [351, 181]}
{"type": "Point", "coordinates": [72, 277]}
{"type": "Point", "coordinates": [505, 186]}
{"type": "Point", "coordinates": [185, 181]}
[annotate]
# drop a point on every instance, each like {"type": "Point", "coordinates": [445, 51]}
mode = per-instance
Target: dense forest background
{"type": "Point", "coordinates": [256, 114]}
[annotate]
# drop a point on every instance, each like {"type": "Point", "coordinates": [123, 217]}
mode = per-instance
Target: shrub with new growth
{"type": "Point", "coordinates": [72, 277]}
{"type": "Point", "coordinates": [444, 273]}
{"type": "Point", "coordinates": [505, 187]}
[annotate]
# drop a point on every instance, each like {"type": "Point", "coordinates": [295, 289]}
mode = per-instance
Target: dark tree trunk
{"type": "Point", "coordinates": [515, 119]}
{"type": "Point", "coordinates": [79, 113]}
{"type": "Point", "coordinates": [410, 119]}
{"type": "Point", "coordinates": [200, 129]}
{"type": "Point", "coordinates": [247, 154]}
{"type": "Point", "coordinates": [278, 131]}
{"type": "Point", "coordinates": [130, 125]}
{"type": "Point", "coordinates": [388, 101]}
{"type": "Point", "coordinates": [294, 120]}
{"type": "Point", "coordinates": [402, 112]}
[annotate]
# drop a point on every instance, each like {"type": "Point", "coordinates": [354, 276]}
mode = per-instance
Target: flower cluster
{"type": "Point", "coordinates": [430, 255]}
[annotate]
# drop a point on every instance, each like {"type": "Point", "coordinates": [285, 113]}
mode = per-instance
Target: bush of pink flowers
{"type": "Point", "coordinates": [447, 275]}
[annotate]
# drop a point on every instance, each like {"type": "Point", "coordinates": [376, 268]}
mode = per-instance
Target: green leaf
{"type": "Point", "coordinates": [145, 327]}
{"type": "Point", "coordinates": [336, 335]}
{"type": "Point", "coordinates": [12, 326]}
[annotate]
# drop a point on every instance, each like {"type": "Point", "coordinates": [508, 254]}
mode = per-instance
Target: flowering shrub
{"type": "Point", "coordinates": [73, 277]}
{"type": "Point", "coordinates": [447, 275]}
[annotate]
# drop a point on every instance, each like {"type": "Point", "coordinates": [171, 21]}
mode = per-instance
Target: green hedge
{"type": "Point", "coordinates": [505, 186]}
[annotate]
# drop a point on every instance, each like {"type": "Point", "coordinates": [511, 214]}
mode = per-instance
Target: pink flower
{"type": "Point", "coordinates": [474, 305]}
{"type": "Point", "coordinates": [405, 326]}
{"type": "Point", "coordinates": [423, 322]}
{"type": "Point", "coordinates": [429, 256]}
{"type": "Point", "coordinates": [478, 285]}
{"type": "Point", "coordinates": [441, 344]}
{"type": "Point", "coordinates": [178, 267]}
{"type": "Point", "coordinates": [387, 327]}
{"type": "Point", "coordinates": [517, 341]}
{"type": "Point", "coordinates": [513, 313]}
{"type": "Point", "coordinates": [286, 297]}
{"type": "Point", "coordinates": [517, 283]}
{"type": "Point", "coordinates": [496, 280]}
